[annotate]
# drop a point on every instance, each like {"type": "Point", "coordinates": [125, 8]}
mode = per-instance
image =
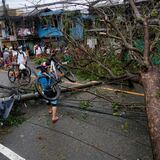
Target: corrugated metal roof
{"type": "Point", "coordinates": [36, 12]}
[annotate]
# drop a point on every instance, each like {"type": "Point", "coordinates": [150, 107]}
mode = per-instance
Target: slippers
{"type": "Point", "coordinates": [55, 120]}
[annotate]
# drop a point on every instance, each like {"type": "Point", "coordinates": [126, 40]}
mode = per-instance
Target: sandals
{"type": "Point", "coordinates": [55, 120]}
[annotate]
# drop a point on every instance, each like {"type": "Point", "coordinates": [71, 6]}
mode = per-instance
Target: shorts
{"type": "Point", "coordinates": [53, 103]}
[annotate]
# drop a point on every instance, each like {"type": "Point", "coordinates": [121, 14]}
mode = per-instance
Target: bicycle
{"type": "Point", "coordinates": [56, 67]}
{"type": "Point", "coordinates": [22, 75]}
{"type": "Point", "coordinates": [47, 85]}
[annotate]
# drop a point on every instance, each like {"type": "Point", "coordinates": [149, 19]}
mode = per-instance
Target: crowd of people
{"type": "Point", "coordinates": [10, 55]}
{"type": "Point", "coordinates": [39, 50]}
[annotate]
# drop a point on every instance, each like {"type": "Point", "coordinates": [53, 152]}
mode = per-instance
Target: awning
{"type": "Point", "coordinates": [55, 12]}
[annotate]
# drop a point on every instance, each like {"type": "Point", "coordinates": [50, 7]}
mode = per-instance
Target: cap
{"type": "Point", "coordinates": [19, 47]}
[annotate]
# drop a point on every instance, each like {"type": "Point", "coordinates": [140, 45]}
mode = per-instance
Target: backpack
{"type": "Point", "coordinates": [18, 54]}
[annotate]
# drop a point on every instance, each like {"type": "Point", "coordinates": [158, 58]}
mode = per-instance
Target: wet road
{"type": "Point", "coordinates": [78, 135]}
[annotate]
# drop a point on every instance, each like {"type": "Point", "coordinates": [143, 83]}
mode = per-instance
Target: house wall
{"type": "Point", "coordinates": [77, 30]}
{"type": "Point", "coordinates": [30, 28]}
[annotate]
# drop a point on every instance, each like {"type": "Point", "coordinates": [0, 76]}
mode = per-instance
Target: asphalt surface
{"type": "Point", "coordinates": [79, 135]}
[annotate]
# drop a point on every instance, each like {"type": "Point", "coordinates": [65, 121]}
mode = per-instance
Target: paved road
{"type": "Point", "coordinates": [79, 135]}
{"type": "Point", "coordinates": [4, 81]}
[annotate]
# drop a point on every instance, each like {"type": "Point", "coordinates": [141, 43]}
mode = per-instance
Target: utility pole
{"type": "Point", "coordinates": [6, 17]}
{"type": "Point", "coordinates": [4, 8]}
{"type": "Point", "coordinates": [5, 13]}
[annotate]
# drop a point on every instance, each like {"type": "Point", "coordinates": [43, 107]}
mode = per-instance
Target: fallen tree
{"type": "Point", "coordinates": [123, 25]}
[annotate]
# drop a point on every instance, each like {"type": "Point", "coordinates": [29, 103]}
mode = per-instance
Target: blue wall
{"type": "Point", "coordinates": [50, 31]}
{"type": "Point", "coordinates": [77, 31]}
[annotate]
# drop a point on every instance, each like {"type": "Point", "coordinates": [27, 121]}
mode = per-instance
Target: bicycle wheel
{"type": "Point", "coordinates": [67, 74]}
{"type": "Point", "coordinates": [29, 70]}
{"type": "Point", "coordinates": [24, 77]}
{"type": "Point", "coordinates": [50, 92]}
{"type": "Point", "coordinates": [11, 75]}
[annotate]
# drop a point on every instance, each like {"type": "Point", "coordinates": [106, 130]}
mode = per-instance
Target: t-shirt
{"type": "Point", "coordinates": [14, 53]}
{"type": "Point", "coordinates": [5, 55]}
{"type": "Point", "coordinates": [21, 57]}
{"type": "Point", "coordinates": [38, 51]}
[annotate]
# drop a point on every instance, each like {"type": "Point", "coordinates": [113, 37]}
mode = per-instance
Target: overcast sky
{"type": "Point", "coordinates": [22, 3]}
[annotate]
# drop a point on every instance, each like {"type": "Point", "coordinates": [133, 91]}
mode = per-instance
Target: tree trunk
{"type": "Point", "coordinates": [151, 82]}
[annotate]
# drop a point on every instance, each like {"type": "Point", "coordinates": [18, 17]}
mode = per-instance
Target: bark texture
{"type": "Point", "coordinates": [151, 82]}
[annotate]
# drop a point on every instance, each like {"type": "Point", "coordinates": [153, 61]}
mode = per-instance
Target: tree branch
{"type": "Point", "coordinates": [146, 43]}
{"type": "Point", "coordinates": [127, 45]}
{"type": "Point", "coordinates": [121, 36]}
{"type": "Point", "coordinates": [136, 12]}
{"type": "Point", "coordinates": [146, 33]}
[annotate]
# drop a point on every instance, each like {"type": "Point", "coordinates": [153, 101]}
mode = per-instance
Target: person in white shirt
{"type": "Point", "coordinates": [13, 54]}
{"type": "Point", "coordinates": [21, 59]}
{"type": "Point", "coordinates": [38, 51]}
{"type": "Point", "coordinates": [21, 56]}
